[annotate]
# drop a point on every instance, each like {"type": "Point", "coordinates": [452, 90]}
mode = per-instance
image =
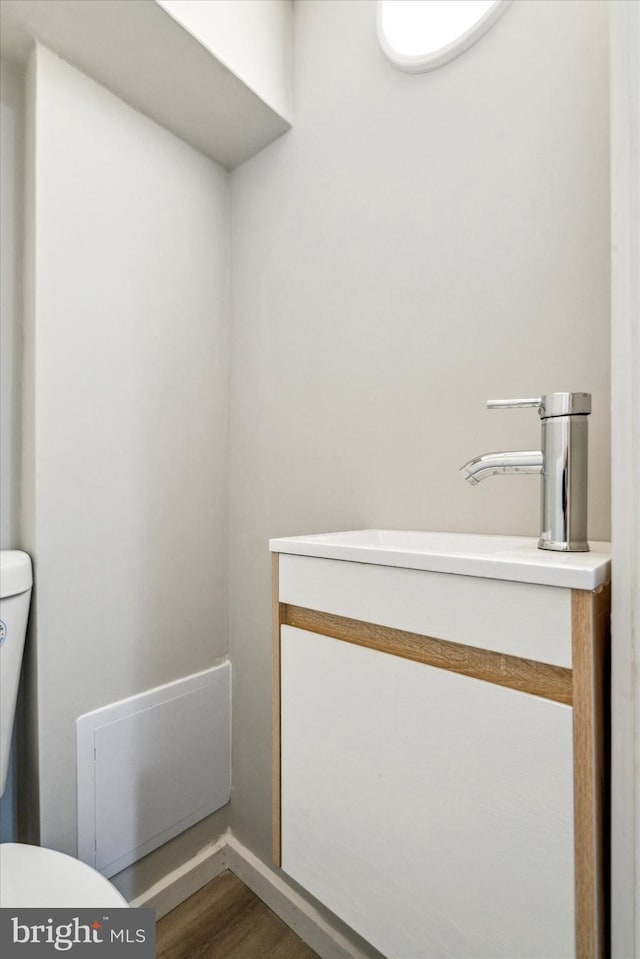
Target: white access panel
{"type": "Point", "coordinates": [151, 766]}
{"type": "Point", "coordinates": [430, 811]}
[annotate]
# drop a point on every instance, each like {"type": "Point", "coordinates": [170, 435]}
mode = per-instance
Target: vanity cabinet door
{"type": "Point", "coordinates": [429, 810]}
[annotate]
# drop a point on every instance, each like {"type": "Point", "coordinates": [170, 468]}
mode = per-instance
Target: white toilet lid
{"type": "Point", "coordinates": [31, 876]}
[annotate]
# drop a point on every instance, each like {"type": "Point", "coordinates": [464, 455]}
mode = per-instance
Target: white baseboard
{"type": "Point", "coordinates": [291, 907]}
{"type": "Point", "coordinates": [184, 881]}
{"type": "Point", "coordinates": [267, 883]}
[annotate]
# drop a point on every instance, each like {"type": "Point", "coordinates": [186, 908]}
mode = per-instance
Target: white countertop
{"type": "Point", "coordinates": [514, 558]}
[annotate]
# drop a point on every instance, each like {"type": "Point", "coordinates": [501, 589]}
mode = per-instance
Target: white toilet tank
{"type": "Point", "coordinates": [16, 580]}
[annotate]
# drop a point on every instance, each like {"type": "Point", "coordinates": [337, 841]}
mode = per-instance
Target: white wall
{"type": "Point", "coordinates": [127, 347]}
{"type": "Point", "coordinates": [251, 37]}
{"type": "Point", "coordinates": [11, 189]}
{"type": "Point", "coordinates": [11, 216]}
{"type": "Point", "coordinates": [414, 246]}
{"type": "Point", "coordinates": [625, 447]}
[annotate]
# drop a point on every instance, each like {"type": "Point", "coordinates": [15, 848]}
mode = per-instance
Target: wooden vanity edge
{"type": "Point", "coordinates": [276, 710]}
{"type": "Point", "coordinates": [590, 632]}
{"type": "Point", "coordinates": [514, 672]}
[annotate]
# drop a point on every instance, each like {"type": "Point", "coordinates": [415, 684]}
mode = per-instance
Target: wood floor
{"type": "Point", "coordinates": [225, 920]}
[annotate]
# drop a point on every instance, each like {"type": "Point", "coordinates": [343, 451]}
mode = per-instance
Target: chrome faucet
{"type": "Point", "coordinates": [562, 461]}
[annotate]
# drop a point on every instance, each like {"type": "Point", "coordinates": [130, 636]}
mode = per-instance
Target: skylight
{"type": "Point", "coordinates": [419, 35]}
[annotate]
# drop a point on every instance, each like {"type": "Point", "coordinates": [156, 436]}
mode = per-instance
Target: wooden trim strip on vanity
{"type": "Point", "coordinates": [539, 679]}
{"type": "Point", "coordinates": [276, 781]}
{"type": "Point", "coordinates": [590, 659]}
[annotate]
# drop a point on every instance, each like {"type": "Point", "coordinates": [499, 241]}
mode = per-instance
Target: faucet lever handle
{"type": "Point", "coordinates": [534, 401]}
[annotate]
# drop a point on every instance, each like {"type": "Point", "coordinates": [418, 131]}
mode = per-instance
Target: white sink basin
{"type": "Point", "coordinates": [468, 554]}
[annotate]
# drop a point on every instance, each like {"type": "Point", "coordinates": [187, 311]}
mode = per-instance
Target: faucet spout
{"type": "Point", "coordinates": [490, 464]}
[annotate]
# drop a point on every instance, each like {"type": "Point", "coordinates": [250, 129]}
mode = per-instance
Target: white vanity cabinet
{"type": "Point", "coordinates": [438, 755]}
